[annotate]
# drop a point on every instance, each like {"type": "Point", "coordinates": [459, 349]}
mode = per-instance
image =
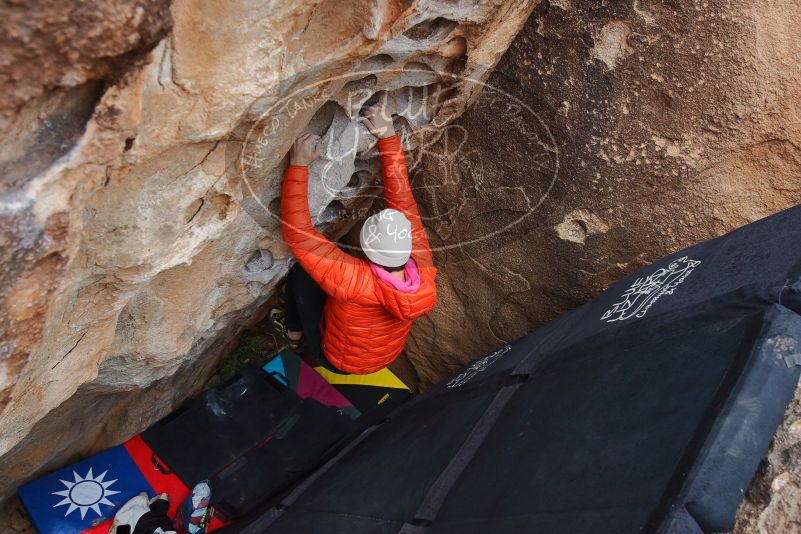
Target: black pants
{"type": "Point", "coordinates": [305, 301]}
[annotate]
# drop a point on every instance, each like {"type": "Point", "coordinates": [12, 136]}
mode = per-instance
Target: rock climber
{"type": "Point", "coordinates": [351, 314]}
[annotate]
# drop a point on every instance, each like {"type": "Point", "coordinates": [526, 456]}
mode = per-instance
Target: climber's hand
{"type": "Point", "coordinates": [378, 120]}
{"type": "Point", "coordinates": [305, 150]}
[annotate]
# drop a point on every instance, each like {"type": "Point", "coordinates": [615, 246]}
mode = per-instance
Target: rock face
{"type": "Point", "coordinates": [143, 143]}
{"type": "Point", "coordinates": [142, 151]}
{"type": "Point", "coordinates": [773, 503]}
{"type": "Point", "coordinates": [633, 129]}
{"type": "Point", "coordinates": [608, 136]}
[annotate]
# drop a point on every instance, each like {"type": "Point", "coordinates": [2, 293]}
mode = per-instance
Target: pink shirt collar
{"type": "Point", "coordinates": [412, 274]}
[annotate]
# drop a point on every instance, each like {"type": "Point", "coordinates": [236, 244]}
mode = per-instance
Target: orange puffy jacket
{"type": "Point", "coordinates": [365, 320]}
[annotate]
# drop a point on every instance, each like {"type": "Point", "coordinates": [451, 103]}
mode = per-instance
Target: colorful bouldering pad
{"type": "Point", "coordinates": [289, 369]}
{"type": "Point", "coordinates": [84, 497]}
{"type": "Point", "coordinates": [375, 395]}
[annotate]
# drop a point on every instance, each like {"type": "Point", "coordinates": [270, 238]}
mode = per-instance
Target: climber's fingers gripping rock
{"type": "Point", "coordinates": [305, 150]}
{"type": "Point", "coordinates": [377, 119]}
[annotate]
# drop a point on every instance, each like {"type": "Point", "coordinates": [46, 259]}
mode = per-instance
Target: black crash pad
{"type": "Point", "coordinates": [762, 258]}
{"type": "Point", "coordinates": [608, 436]}
{"type": "Point", "coordinates": [645, 410]}
{"type": "Point", "coordinates": [251, 437]}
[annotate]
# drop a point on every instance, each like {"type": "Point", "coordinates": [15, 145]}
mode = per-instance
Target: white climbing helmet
{"type": "Point", "coordinates": [386, 238]}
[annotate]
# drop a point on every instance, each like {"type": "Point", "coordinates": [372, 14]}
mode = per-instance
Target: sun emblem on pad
{"type": "Point", "coordinates": [86, 493]}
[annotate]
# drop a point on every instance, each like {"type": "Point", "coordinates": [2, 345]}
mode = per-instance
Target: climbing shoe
{"type": "Point", "coordinates": [276, 318]}
{"type": "Point", "coordinates": [195, 512]}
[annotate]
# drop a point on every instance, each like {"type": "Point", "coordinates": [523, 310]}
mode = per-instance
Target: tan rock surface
{"type": "Point", "coordinates": [136, 236]}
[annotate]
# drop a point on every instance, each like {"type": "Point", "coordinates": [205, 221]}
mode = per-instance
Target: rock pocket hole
{"type": "Point", "coordinates": [47, 131]}
{"type": "Point", "coordinates": [375, 98]}
{"type": "Point", "coordinates": [456, 48]}
{"type": "Point", "coordinates": [274, 207]}
{"type": "Point", "coordinates": [403, 127]}
{"type": "Point", "coordinates": [323, 118]}
{"type": "Point", "coordinates": [259, 261]}
{"type": "Point", "coordinates": [415, 66]}
{"type": "Point", "coordinates": [222, 204]}
{"type": "Point", "coordinates": [460, 3]}
{"type": "Point", "coordinates": [417, 73]}
{"type": "Point", "coordinates": [357, 180]}
{"type": "Point", "coordinates": [433, 29]}
{"type": "Point", "coordinates": [332, 212]}
{"type": "Point", "coordinates": [379, 61]}
{"type": "Point", "coordinates": [367, 82]}
{"type": "Point", "coordinates": [129, 143]}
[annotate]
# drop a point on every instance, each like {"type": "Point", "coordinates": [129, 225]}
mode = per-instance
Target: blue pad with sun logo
{"type": "Point", "coordinates": [83, 495]}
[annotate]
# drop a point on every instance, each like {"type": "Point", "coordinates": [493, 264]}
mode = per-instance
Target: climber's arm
{"type": "Point", "coordinates": [398, 191]}
{"type": "Point", "coordinates": [397, 188]}
{"type": "Point", "coordinates": [322, 259]}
